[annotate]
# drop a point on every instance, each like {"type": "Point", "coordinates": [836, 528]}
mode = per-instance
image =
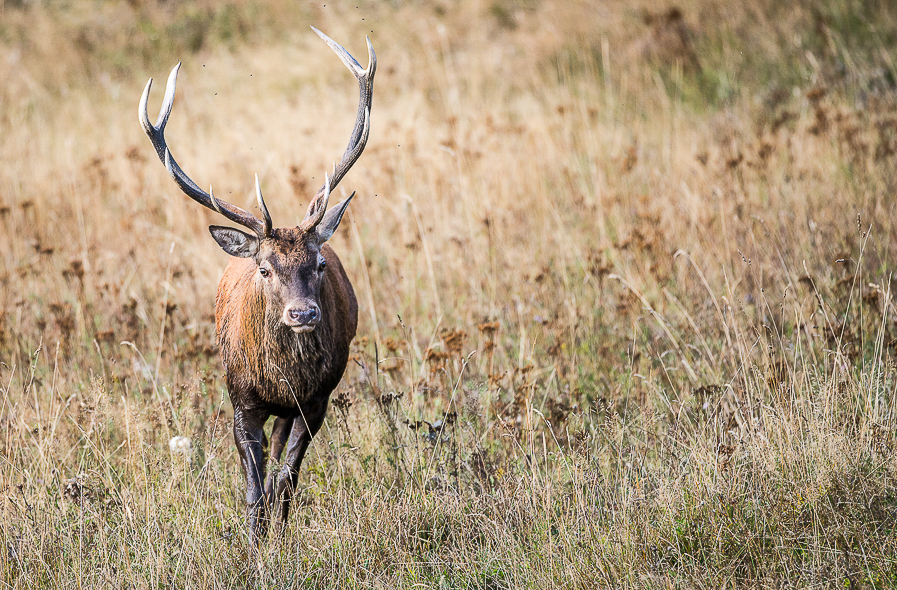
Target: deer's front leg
{"type": "Point", "coordinates": [280, 433]}
{"type": "Point", "coordinates": [305, 426]}
{"type": "Point", "coordinates": [250, 439]}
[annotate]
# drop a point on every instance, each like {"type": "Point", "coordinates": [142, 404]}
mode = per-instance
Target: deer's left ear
{"type": "Point", "coordinates": [332, 219]}
{"type": "Point", "coordinates": [235, 242]}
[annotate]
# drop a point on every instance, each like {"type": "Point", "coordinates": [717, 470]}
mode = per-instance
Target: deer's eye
{"type": "Point", "coordinates": [264, 271]}
{"type": "Point", "coordinates": [322, 265]}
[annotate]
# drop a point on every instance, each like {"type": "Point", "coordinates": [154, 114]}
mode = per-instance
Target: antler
{"type": "Point", "coordinates": [156, 134]}
{"type": "Point", "coordinates": [359, 137]}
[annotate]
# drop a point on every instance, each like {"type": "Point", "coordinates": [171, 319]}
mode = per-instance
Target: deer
{"type": "Point", "coordinates": [285, 311]}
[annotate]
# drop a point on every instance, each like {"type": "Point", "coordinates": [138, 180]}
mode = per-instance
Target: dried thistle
{"type": "Point", "coordinates": [435, 359]}
{"type": "Point", "coordinates": [454, 341]}
{"type": "Point", "coordinates": [75, 270]}
{"type": "Point", "coordinates": [64, 316]}
{"type": "Point", "coordinates": [342, 401]}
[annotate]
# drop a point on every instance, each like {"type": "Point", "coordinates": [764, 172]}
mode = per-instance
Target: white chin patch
{"type": "Point", "coordinates": [303, 329]}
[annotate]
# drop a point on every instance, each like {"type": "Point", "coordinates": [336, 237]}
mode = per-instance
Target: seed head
{"type": "Point", "coordinates": [180, 445]}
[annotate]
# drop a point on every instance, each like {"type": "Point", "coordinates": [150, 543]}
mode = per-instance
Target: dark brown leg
{"type": "Point", "coordinates": [249, 436]}
{"type": "Point", "coordinates": [279, 435]}
{"type": "Point", "coordinates": [305, 427]}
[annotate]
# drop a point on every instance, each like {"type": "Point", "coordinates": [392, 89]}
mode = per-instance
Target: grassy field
{"type": "Point", "coordinates": [624, 269]}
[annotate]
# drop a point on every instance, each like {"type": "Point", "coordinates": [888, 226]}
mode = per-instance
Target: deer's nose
{"type": "Point", "coordinates": [303, 316]}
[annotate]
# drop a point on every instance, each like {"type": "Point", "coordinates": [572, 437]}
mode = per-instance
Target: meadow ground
{"type": "Point", "coordinates": [624, 273]}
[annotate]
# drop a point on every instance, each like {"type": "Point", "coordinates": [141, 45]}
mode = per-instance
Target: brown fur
{"type": "Point", "coordinates": [268, 366]}
{"type": "Point", "coordinates": [273, 370]}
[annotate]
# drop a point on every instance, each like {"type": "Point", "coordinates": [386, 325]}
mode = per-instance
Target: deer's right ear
{"type": "Point", "coordinates": [235, 242]}
{"type": "Point", "coordinates": [331, 220]}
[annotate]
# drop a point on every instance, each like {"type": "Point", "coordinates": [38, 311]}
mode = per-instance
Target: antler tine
{"type": "Point", "coordinates": [359, 137]}
{"type": "Point", "coordinates": [265, 215]}
{"type": "Point", "coordinates": [156, 134]}
{"type": "Point", "coordinates": [317, 208]}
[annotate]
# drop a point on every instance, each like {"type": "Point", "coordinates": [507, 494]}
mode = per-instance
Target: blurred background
{"type": "Point", "coordinates": [520, 153]}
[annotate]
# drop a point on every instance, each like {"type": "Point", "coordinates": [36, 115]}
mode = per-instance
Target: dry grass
{"type": "Point", "coordinates": [625, 278]}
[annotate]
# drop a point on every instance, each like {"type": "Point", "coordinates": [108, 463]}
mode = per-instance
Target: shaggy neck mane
{"type": "Point", "coordinates": [295, 352]}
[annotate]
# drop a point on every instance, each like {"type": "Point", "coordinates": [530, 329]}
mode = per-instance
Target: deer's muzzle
{"type": "Point", "coordinates": [302, 318]}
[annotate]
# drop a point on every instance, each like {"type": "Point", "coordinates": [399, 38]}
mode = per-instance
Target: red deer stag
{"type": "Point", "coordinates": [285, 311]}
